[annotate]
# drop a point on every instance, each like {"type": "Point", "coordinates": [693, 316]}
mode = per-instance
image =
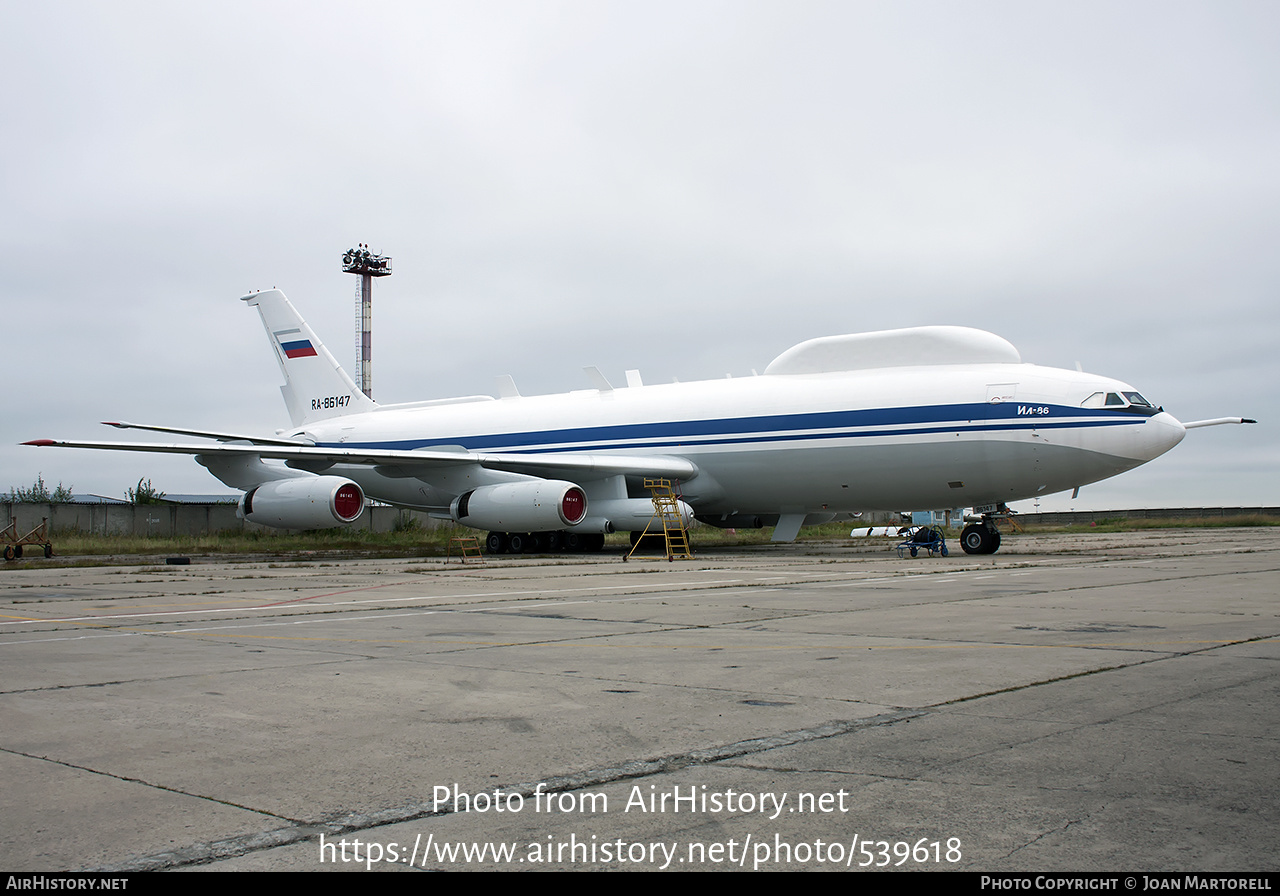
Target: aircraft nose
{"type": "Point", "coordinates": [1159, 434]}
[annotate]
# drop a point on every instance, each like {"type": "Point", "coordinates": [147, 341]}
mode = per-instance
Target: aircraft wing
{"type": "Point", "coordinates": [588, 466]}
{"type": "Point", "coordinates": [206, 434]}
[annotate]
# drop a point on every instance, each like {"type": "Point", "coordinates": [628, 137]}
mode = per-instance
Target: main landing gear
{"type": "Point", "coordinates": [980, 538]}
{"type": "Point", "coordinates": [981, 535]}
{"type": "Point", "coordinates": [543, 542]}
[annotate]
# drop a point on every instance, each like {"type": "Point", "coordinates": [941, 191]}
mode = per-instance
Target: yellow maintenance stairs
{"type": "Point", "coordinates": [666, 507]}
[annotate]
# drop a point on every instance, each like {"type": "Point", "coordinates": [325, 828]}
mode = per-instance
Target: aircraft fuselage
{"type": "Point", "coordinates": [798, 443]}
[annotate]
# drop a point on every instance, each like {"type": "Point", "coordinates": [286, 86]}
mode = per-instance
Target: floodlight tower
{"type": "Point", "coordinates": [368, 265]}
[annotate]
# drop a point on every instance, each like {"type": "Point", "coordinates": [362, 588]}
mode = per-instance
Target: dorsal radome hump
{"type": "Point", "coordinates": [910, 347]}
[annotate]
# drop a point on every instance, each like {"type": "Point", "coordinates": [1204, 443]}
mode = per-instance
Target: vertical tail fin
{"type": "Point", "coordinates": [315, 385]}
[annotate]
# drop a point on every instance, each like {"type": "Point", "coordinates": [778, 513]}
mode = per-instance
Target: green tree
{"type": "Point", "coordinates": [144, 494]}
{"type": "Point", "coordinates": [39, 493]}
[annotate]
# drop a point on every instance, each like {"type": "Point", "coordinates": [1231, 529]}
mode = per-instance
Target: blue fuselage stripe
{"type": "Point", "coordinates": [877, 423]}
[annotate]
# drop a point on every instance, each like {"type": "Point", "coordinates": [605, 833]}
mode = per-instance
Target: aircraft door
{"type": "Point", "coordinates": [999, 393]}
{"type": "Point", "coordinates": [998, 455]}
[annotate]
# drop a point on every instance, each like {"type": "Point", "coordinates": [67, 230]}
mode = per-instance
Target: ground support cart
{"type": "Point", "coordinates": [924, 538]}
{"type": "Point", "coordinates": [39, 536]}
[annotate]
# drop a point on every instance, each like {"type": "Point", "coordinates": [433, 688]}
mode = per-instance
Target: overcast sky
{"type": "Point", "coordinates": [687, 188]}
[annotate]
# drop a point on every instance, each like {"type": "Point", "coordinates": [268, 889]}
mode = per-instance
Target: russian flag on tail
{"type": "Point", "coordinates": [294, 348]}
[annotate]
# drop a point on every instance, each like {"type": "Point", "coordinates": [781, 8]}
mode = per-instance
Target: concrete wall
{"type": "Point", "coordinates": [1155, 513]}
{"type": "Point", "coordinates": [170, 520]}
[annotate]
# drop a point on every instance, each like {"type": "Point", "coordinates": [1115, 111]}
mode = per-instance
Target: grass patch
{"type": "Point", "coordinates": [1121, 524]}
{"type": "Point", "coordinates": [407, 541]}
{"type": "Point", "coordinates": [414, 540]}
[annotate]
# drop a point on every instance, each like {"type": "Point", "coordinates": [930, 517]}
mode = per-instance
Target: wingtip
{"type": "Point", "coordinates": [42, 443]}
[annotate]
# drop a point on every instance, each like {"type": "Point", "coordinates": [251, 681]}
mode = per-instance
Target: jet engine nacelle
{"type": "Point", "coordinates": [311, 502]}
{"type": "Point", "coordinates": [539, 505]}
{"type": "Point", "coordinates": [627, 515]}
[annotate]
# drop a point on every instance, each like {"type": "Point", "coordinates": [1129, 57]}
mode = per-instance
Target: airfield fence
{"type": "Point", "coordinates": [1084, 517]}
{"type": "Point", "coordinates": [171, 519]}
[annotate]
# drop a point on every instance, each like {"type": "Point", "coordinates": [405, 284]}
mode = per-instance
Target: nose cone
{"type": "Point", "coordinates": [1159, 434]}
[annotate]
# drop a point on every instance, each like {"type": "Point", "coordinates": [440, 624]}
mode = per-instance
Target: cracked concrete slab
{"type": "Point", "coordinates": [1076, 703]}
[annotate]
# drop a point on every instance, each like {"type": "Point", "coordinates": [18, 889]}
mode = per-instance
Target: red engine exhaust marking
{"type": "Point", "coordinates": [348, 502]}
{"type": "Point", "coordinates": [573, 505]}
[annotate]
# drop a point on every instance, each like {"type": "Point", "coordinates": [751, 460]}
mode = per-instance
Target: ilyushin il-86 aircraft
{"type": "Point", "coordinates": [914, 418]}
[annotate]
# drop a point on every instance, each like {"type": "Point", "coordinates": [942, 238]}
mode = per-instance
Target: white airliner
{"type": "Point", "coordinates": [921, 417]}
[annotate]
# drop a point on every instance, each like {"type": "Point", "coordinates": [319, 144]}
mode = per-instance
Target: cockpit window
{"type": "Point", "coordinates": [1129, 402]}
